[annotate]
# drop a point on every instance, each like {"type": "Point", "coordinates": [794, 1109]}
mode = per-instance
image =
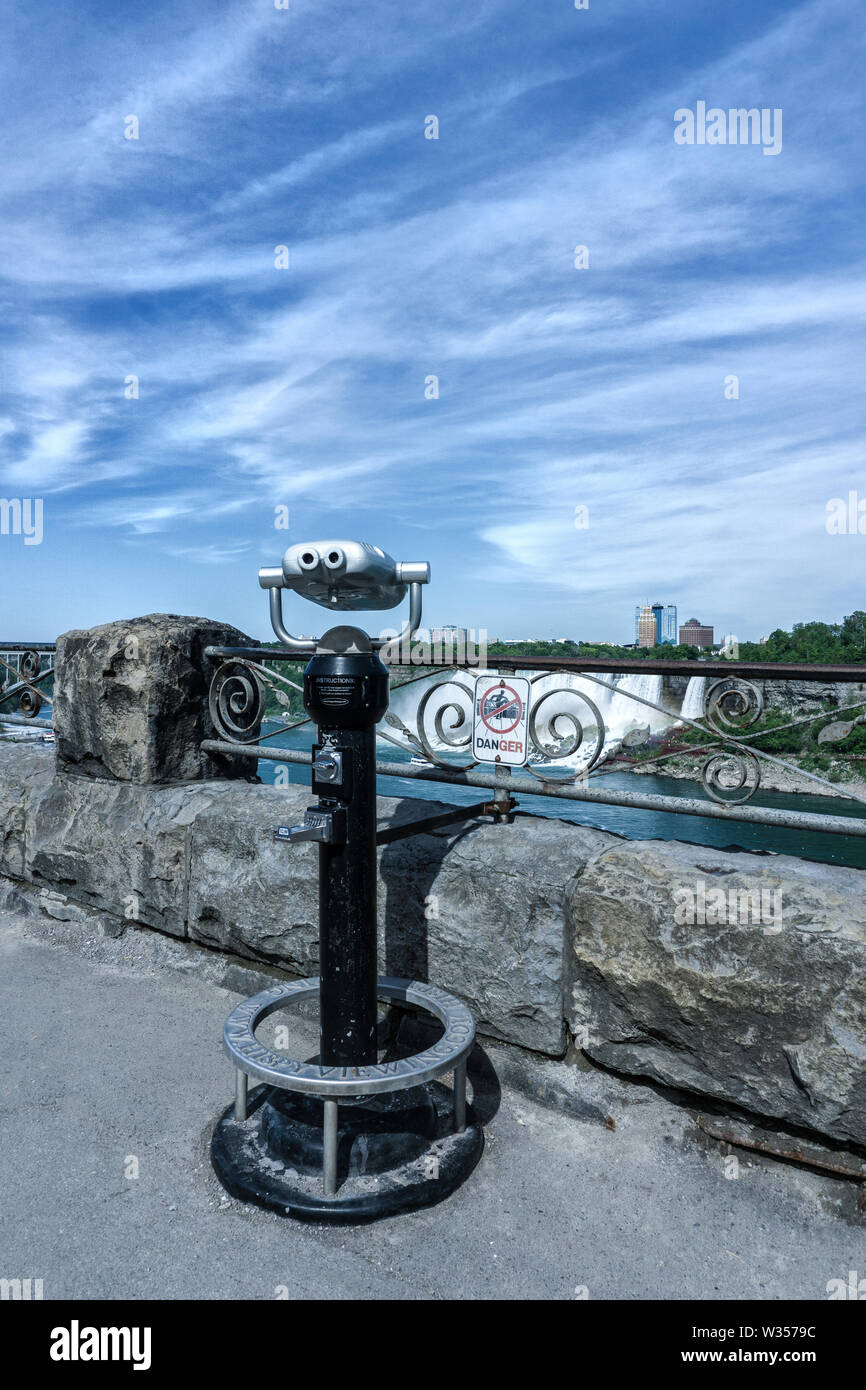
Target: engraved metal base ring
{"type": "Point", "coordinates": [427, 1144]}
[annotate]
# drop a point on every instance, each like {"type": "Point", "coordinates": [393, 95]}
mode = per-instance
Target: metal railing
{"type": "Point", "coordinates": [570, 750]}
{"type": "Point", "coordinates": [26, 670]}
{"type": "Point", "coordinates": [566, 727]}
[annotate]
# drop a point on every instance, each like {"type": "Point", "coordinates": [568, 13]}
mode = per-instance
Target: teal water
{"type": "Point", "coordinates": [623, 820]}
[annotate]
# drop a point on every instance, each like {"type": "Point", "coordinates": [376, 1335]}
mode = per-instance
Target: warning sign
{"type": "Point", "coordinates": [499, 730]}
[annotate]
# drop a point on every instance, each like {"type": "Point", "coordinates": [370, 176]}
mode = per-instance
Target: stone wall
{"type": "Point", "coordinates": [479, 909]}
{"type": "Point", "coordinates": [544, 928]}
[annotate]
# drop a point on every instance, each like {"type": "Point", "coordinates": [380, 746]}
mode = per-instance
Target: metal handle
{"type": "Point", "coordinates": [304, 646]}
{"type": "Point", "coordinates": [293, 833]}
{"type": "Point", "coordinates": [328, 827]}
{"type": "Point", "coordinates": [273, 579]}
{"type": "Point", "coordinates": [412, 623]}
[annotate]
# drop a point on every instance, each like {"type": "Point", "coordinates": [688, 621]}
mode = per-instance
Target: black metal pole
{"type": "Point", "coordinates": [346, 692]}
{"type": "Point", "coordinates": [347, 908]}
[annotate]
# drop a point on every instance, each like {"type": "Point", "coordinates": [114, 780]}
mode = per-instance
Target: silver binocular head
{"type": "Point", "coordinates": [345, 575]}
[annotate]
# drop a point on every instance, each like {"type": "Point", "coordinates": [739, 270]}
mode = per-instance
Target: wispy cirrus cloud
{"type": "Point", "coordinates": [413, 259]}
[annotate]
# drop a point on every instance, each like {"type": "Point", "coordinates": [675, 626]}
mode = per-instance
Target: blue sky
{"type": "Point", "coordinates": [409, 257]}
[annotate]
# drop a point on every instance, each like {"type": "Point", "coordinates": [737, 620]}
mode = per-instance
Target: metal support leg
{"type": "Point", "coordinates": [460, 1098]}
{"type": "Point", "coordinates": [502, 796]}
{"type": "Point", "coordinates": [329, 1159]}
{"type": "Point", "coordinates": [241, 1083]}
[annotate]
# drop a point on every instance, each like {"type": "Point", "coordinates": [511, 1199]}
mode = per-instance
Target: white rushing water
{"type": "Point", "coordinates": [693, 704]}
{"type": "Point", "coordinates": [627, 714]}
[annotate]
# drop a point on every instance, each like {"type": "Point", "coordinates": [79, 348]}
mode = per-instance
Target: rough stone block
{"type": "Point", "coordinates": [249, 893]}
{"type": "Point", "coordinates": [767, 1014]}
{"type": "Point", "coordinates": [115, 846]}
{"type": "Point", "coordinates": [22, 768]}
{"type": "Point", "coordinates": [480, 910]}
{"type": "Point", "coordinates": [131, 700]}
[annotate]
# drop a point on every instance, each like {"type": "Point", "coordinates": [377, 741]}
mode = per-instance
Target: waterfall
{"type": "Point", "coordinates": [693, 700]}
{"type": "Point", "coordinates": [625, 712]}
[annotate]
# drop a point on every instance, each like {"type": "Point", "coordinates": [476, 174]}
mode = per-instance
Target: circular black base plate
{"type": "Point", "coordinates": [273, 1159]}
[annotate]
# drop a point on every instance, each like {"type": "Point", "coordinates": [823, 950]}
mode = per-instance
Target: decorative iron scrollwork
{"type": "Point", "coordinates": [563, 721]}
{"type": "Point", "coordinates": [30, 666]}
{"type": "Point", "coordinates": [547, 740]}
{"type": "Point", "coordinates": [30, 702]}
{"type": "Point", "coordinates": [236, 701]}
{"type": "Point", "coordinates": [731, 793]}
{"type": "Point", "coordinates": [458, 733]}
{"type": "Point", "coordinates": [444, 717]}
{"type": "Point", "coordinates": [732, 705]}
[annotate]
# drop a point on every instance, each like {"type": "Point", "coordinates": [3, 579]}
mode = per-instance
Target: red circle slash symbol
{"type": "Point", "coordinates": [501, 703]}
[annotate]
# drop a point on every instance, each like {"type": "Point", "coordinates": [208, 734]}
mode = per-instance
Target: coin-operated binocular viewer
{"type": "Point", "coordinates": [346, 1137]}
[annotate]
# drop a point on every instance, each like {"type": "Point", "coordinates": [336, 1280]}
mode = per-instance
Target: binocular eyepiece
{"type": "Point", "coordinates": [345, 575]}
{"type": "Point", "coordinates": [311, 558]}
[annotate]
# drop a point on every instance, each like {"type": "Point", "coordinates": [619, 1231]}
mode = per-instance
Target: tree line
{"type": "Point", "coordinates": [814, 642]}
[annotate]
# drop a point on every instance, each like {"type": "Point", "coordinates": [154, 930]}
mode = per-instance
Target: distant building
{"type": "Point", "coordinates": [664, 616]}
{"type": "Point", "coordinates": [646, 627]}
{"type": "Point", "coordinates": [695, 634]}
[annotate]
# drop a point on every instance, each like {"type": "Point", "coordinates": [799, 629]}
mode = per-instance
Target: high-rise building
{"type": "Point", "coordinates": [664, 618]}
{"type": "Point", "coordinates": [696, 634]}
{"type": "Point", "coordinates": [646, 627]}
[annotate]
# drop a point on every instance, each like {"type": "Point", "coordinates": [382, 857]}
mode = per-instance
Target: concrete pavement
{"type": "Point", "coordinates": [589, 1186]}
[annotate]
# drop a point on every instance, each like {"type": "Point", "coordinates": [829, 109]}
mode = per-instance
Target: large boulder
{"type": "Point", "coordinates": [682, 971]}
{"type": "Point", "coordinates": [131, 700]}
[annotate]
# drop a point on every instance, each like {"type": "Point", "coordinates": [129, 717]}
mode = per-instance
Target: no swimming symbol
{"type": "Point", "coordinates": [501, 709]}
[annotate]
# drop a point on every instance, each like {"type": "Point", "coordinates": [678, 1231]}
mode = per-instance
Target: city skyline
{"type": "Point", "coordinates": [664, 623]}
